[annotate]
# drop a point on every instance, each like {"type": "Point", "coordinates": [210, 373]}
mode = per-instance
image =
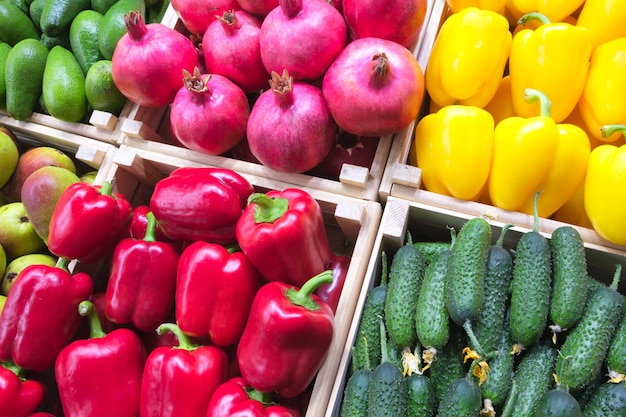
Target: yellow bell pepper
{"type": "Point", "coordinates": [573, 211]}
{"type": "Point", "coordinates": [554, 59]}
{"type": "Point", "coordinates": [453, 148]}
{"type": "Point", "coordinates": [523, 152]}
{"type": "Point", "coordinates": [603, 100]}
{"type": "Point", "coordinates": [493, 5]}
{"type": "Point", "coordinates": [468, 58]}
{"type": "Point", "coordinates": [604, 20]}
{"type": "Point", "coordinates": [605, 189]}
{"type": "Point", "coordinates": [555, 10]}
{"type": "Point", "coordinates": [501, 105]}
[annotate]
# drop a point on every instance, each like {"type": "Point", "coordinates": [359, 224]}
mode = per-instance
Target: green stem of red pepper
{"type": "Point", "coordinates": [534, 15]}
{"type": "Point", "coordinates": [87, 309]}
{"type": "Point", "coordinates": [12, 366]}
{"type": "Point", "coordinates": [303, 296]}
{"type": "Point", "coordinates": [150, 235]}
{"type": "Point", "coordinates": [264, 398]}
{"type": "Point", "coordinates": [106, 188]}
{"type": "Point", "coordinates": [608, 130]}
{"type": "Point", "coordinates": [62, 263]}
{"type": "Point", "coordinates": [268, 209]}
{"type": "Point", "coordinates": [184, 342]}
{"type": "Point", "coordinates": [545, 106]}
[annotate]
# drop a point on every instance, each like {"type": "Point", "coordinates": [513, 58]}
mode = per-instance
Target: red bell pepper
{"type": "Point", "coordinates": [200, 203]}
{"type": "Point", "coordinates": [214, 291]}
{"type": "Point", "coordinates": [40, 314]}
{"type": "Point", "coordinates": [283, 234]}
{"type": "Point", "coordinates": [179, 381]}
{"type": "Point", "coordinates": [88, 221]}
{"type": "Point", "coordinates": [139, 224]}
{"type": "Point", "coordinates": [19, 397]}
{"type": "Point", "coordinates": [331, 293]}
{"type": "Point", "coordinates": [42, 414]}
{"type": "Point", "coordinates": [286, 338]}
{"type": "Point", "coordinates": [142, 281]}
{"type": "Point", "coordinates": [101, 376]}
{"type": "Point", "coordinates": [235, 398]}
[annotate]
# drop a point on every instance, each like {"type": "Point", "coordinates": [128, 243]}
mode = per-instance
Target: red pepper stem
{"type": "Point", "coordinates": [264, 398]}
{"type": "Point", "coordinates": [62, 263]}
{"type": "Point", "coordinates": [268, 209]}
{"type": "Point", "coordinates": [150, 235]}
{"type": "Point", "coordinates": [86, 308]}
{"type": "Point", "coordinates": [13, 367]}
{"type": "Point", "coordinates": [233, 247]}
{"type": "Point", "coordinates": [184, 342]}
{"type": "Point", "coordinates": [545, 105]}
{"type": "Point", "coordinates": [608, 130]}
{"type": "Point", "coordinates": [302, 297]}
{"type": "Point", "coordinates": [534, 16]}
{"type": "Point", "coordinates": [106, 188]}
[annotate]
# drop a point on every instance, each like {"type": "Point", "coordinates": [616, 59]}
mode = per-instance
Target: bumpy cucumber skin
{"type": "Point", "coordinates": [431, 318]}
{"type": "Point", "coordinates": [586, 345]}
{"type": "Point", "coordinates": [430, 250]}
{"type": "Point", "coordinates": [498, 383]}
{"type": "Point", "coordinates": [608, 400]}
{"type": "Point", "coordinates": [491, 320]}
{"type": "Point", "coordinates": [569, 277]}
{"type": "Point", "coordinates": [533, 377]}
{"type": "Point", "coordinates": [462, 399]}
{"type": "Point", "coordinates": [616, 356]}
{"type": "Point", "coordinates": [387, 393]}
{"type": "Point", "coordinates": [558, 403]}
{"type": "Point", "coordinates": [366, 353]}
{"type": "Point", "coordinates": [421, 396]}
{"type": "Point", "coordinates": [354, 403]}
{"type": "Point", "coordinates": [405, 280]}
{"type": "Point", "coordinates": [530, 289]}
{"type": "Point", "coordinates": [467, 266]}
{"type": "Point", "coordinates": [449, 363]}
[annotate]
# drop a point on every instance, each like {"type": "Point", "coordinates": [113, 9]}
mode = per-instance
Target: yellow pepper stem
{"type": "Point", "coordinates": [545, 106]}
{"type": "Point", "coordinates": [608, 130]}
{"type": "Point", "coordinates": [533, 16]}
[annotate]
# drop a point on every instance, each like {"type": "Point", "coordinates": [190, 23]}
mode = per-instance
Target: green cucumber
{"type": "Point", "coordinates": [431, 249]}
{"type": "Point", "coordinates": [467, 267]}
{"type": "Point", "coordinates": [608, 400]}
{"type": "Point", "coordinates": [498, 384]}
{"type": "Point", "coordinates": [354, 402]}
{"type": "Point", "coordinates": [431, 316]}
{"type": "Point", "coordinates": [405, 279]}
{"type": "Point", "coordinates": [558, 402]}
{"type": "Point", "coordinates": [448, 365]}
{"type": "Point", "coordinates": [585, 348]}
{"type": "Point", "coordinates": [616, 356]}
{"type": "Point", "coordinates": [463, 398]}
{"type": "Point", "coordinates": [421, 396]}
{"type": "Point", "coordinates": [530, 287]}
{"type": "Point", "coordinates": [569, 278]}
{"type": "Point", "coordinates": [491, 321]}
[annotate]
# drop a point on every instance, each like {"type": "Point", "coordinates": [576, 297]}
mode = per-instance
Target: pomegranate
{"type": "Point", "coordinates": [348, 149]}
{"type": "Point", "coordinates": [143, 66]}
{"type": "Point", "coordinates": [290, 128]}
{"type": "Point", "coordinates": [209, 114]}
{"type": "Point", "coordinates": [231, 48]}
{"type": "Point", "coordinates": [375, 87]}
{"type": "Point", "coordinates": [197, 15]}
{"type": "Point", "coordinates": [302, 36]}
{"type": "Point", "coordinates": [395, 20]}
{"type": "Point", "coordinates": [258, 8]}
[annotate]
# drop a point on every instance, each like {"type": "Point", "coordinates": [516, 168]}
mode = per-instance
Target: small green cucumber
{"type": "Point", "coordinates": [463, 398]}
{"type": "Point", "coordinates": [558, 402]}
{"type": "Point", "coordinates": [431, 317]}
{"type": "Point", "coordinates": [569, 278]}
{"type": "Point", "coordinates": [405, 280]}
{"type": "Point", "coordinates": [448, 365]}
{"type": "Point", "coordinates": [421, 396]}
{"type": "Point", "coordinates": [616, 356]}
{"type": "Point", "coordinates": [585, 348]}
{"type": "Point", "coordinates": [354, 402]}
{"type": "Point", "coordinates": [608, 400]}
{"type": "Point", "coordinates": [467, 267]}
{"type": "Point", "coordinates": [431, 249]}
{"type": "Point", "coordinates": [496, 387]}
{"type": "Point", "coordinates": [530, 287]}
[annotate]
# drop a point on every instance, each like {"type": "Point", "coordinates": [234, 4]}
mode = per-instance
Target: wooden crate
{"type": "Point", "coordinates": [427, 223]}
{"type": "Point", "coordinates": [148, 128]}
{"type": "Point", "coordinates": [351, 225]}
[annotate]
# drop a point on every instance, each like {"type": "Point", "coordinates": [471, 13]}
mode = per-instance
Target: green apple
{"type": "Point", "coordinates": [89, 177]}
{"type": "Point", "coordinates": [17, 234]}
{"type": "Point", "coordinates": [9, 157]}
{"type": "Point", "coordinates": [17, 265]}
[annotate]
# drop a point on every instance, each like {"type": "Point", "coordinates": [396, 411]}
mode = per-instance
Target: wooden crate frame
{"type": "Point", "coordinates": [351, 224]}
{"type": "Point", "coordinates": [429, 223]}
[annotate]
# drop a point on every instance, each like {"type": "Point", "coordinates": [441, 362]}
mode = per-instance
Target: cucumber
{"type": "Point", "coordinates": [530, 287]}
{"type": "Point", "coordinates": [586, 345]}
{"type": "Point", "coordinates": [608, 400]}
{"type": "Point", "coordinates": [405, 279]}
{"type": "Point", "coordinates": [491, 321]}
{"type": "Point", "coordinates": [462, 399]}
{"type": "Point", "coordinates": [431, 316]}
{"type": "Point", "coordinates": [616, 356]}
{"type": "Point", "coordinates": [431, 249]}
{"type": "Point", "coordinates": [498, 384]}
{"type": "Point", "coordinates": [354, 402]}
{"type": "Point", "coordinates": [558, 402]}
{"type": "Point", "coordinates": [467, 266]}
{"type": "Point", "coordinates": [569, 278]}
{"type": "Point", "coordinates": [57, 15]}
{"type": "Point", "coordinates": [395, 353]}
{"type": "Point", "coordinates": [421, 396]}
{"type": "Point", "coordinates": [15, 25]}
{"type": "Point", "coordinates": [449, 363]}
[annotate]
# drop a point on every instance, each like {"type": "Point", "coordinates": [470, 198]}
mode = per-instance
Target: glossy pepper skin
{"type": "Point", "coordinates": [139, 224]}
{"type": "Point", "coordinates": [523, 153]}
{"type": "Point", "coordinates": [101, 376]}
{"type": "Point", "coordinates": [286, 338]}
{"type": "Point", "coordinates": [88, 221]}
{"type": "Point", "coordinates": [200, 203]}
{"type": "Point", "coordinates": [278, 224]}
{"type": "Point", "coordinates": [235, 398]}
{"type": "Point", "coordinates": [468, 58]}
{"type": "Point", "coordinates": [603, 19]}
{"type": "Point", "coordinates": [554, 59]}
{"type": "Point", "coordinates": [40, 316]}
{"type": "Point", "coordinates": [600, 103]}
{"type": "Point", "coordinates": [215, 287]}
{"type": "Point", "coordinates": [449, 145]}
{"type": "Point", "coordinates": [493, 5]}
{"type": "Point", "coordinates": [331, 293]}
{"type": "Point", "coordinates": [18, 397]}
{"type": "Point", "coordinates": [142, 281]}
{"type": "Point", "coordinates": [555, 10]}
{"type": "Point", "coordinates": [180, 380]}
